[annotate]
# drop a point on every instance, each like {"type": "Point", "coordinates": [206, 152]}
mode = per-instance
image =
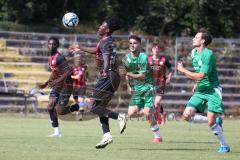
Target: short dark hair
{"type": "Point", "coordinates": [55, 39]}
{"type": "Point", "coordinates": [205, 35]}
{"type": "Point", "coordinates": [113, 24]}
{"type": "Point", "coordinates": [160, 46]}
{"type": "Point", "coordinates": [137, 38]}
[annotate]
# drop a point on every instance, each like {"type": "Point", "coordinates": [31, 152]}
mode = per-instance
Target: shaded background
{"type": "Point", "coordinates": [154, 17]}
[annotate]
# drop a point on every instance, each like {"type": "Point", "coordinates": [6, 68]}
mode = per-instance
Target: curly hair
{"type": "Point", "coordinates": [113, 24]}
{"type": "Point", "coordinates": [55, 39]}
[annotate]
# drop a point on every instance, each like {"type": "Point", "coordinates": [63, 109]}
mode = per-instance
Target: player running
{"type": "Point", "coordinates": [61, 83]}
{"type": "Point", "coordinates": [207, 89]}
{"type": "Point", "coordinates": [137, 69]}
{"type": "Point", "coordinates": [160, 66]}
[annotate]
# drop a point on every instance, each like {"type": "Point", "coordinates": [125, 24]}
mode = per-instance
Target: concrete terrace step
{"type": "Point", "coordinates": [23, 67]}
{"type": "Point", "coordinates": [184, 102]}
{"type": "Point", "coordinates": [223, 72]}
{"type": "Point", "coordinates": [27, 72]}
{"type": "Point", "coordinates": [174, 95]}
{"type": "Point", "coordinates": [25, 75]}
{"type": "Point", "coordinates": [184, 87]}
{"type": "Point", "coordinates": [11, 58]}
{"type": "Point", "coordinates": [189, 86]}
{"type": "Point", "coordinates": [228, 97]}
{"type": "Point", "coordinates": [20, 64]}
{"type": "Point", "coordinates": [222, 79]}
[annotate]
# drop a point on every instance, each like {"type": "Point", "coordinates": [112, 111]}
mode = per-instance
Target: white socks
{"type": "Point", "coordinates": [156, 131]}
{"type": "Point", "coordinates": [217, 131]}
{"type": "Point", "coordinates": [107, 135]}
{"type": "Point", "coordinates": [197, 118]}
{"type": "Point", "coordinates": [57, 130]}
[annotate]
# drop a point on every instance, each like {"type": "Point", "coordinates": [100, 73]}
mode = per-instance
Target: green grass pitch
{"type": "Point", "coordinates": [25, 138]}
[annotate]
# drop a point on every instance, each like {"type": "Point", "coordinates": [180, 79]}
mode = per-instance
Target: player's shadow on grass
{"type": "Point", "coordinates": [190, 142]}
{"type": "Point", "coordinates": [166, 149]}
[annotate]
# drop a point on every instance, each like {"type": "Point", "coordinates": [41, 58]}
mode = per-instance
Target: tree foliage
{"type": "Point", "coordinates": [155, 17]}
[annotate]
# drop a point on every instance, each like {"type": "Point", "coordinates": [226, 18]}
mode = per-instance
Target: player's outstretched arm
{"type": "Point", "coordinates": [78, 47]}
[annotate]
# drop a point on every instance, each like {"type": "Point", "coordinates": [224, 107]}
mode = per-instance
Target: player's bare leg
{"type": "Point", "coordinates": [53, 117]}
{"type": "Point", "coordinates": [149, 112]}
{"type": "Point", "coordinates": [157, 112]}
{"type": "Point", "coordinates": [218, 132]}
{"type": "Point", "coordinates": [190, 115]}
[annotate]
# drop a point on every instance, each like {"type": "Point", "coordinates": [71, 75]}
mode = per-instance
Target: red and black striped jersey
{"type": "Point", "coordinates": [79, 71]}
{"type": "Point", "coordinates": [159, 67]}
{"type": "Point", "coordinates": [58, 65]}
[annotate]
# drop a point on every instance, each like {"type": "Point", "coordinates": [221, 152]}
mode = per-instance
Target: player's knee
{"type": "Point", "coordinates": [187, 116]}
{"type": "Point", "coordinates": [60, 110]}
{"type": "Point", "coordinates": [94, 109]}
{"type": "Point", "coordinates": [131, 113]}
{"type": "Point", "coordinates": [157, 104]}
{"type": "Point", "coordinates": [147, 114]}
{"type": "Point", "coordinates": [211, 122]}
{"type": "Point", "coordinates": [50, 106]}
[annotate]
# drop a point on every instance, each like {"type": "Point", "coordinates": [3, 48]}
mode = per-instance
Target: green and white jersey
{"type": "Point", "coordinates": [205, 62]}
{"type": "Point", "coordinates": [137, 65]}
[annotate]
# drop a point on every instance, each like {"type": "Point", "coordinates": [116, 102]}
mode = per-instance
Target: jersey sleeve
{"type": "Point", "coordinates": [207, 64]}
{"type": "Point", "coordinates": [60, 60]}
{"type": "Point", "coordinates": [63, 64]}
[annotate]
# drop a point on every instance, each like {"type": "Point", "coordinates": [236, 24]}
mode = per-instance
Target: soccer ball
{"type": "Point", "coordinates": [70, 20]}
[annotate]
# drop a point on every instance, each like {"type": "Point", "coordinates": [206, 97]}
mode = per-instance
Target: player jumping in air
{"type": "Point", "coordinates": [207, 89]}
{"type": "Point", "coordinates": [108, 80]}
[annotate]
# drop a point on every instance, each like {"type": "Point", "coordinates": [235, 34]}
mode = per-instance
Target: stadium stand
{"type": "Point", "coordinates": [27, 65]}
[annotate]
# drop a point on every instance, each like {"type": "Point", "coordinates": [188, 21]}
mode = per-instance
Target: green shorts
{"type": "Point", "coordinates": [212, 98]}
{"type": "Point", "coordinates": [142, 98]}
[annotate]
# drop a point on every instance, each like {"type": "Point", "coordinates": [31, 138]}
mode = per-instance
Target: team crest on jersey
{"type": "Point", "coordinates": [128, 59]}
{"type": "Point", "coordinates": [156, 67]}
{"type": "Point", "coordinates": [161, 63]}
{"type": "Point", "coordinates": [200, 63]}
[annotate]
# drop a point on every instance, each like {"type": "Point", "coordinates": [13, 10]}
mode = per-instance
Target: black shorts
{"type": "Point", "coordinates": [62, 96]}
{"type": "Point", "coordinates": [79, 92]}
{"type": "Point", "coordinates": [105, 88]}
